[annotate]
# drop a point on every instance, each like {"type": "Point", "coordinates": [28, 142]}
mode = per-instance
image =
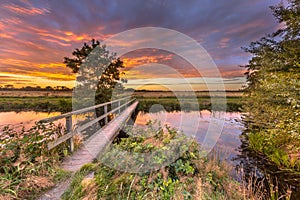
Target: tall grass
{"type": "Point", "coordinates": [26, 165]}
{"type": "Point", "coordinates": [190, 176]}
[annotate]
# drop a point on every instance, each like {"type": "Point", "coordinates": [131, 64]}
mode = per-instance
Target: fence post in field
{"type": "Point", "coordinates": [105, 112]}
{"type": "Point", "coordinates": [69, 129]}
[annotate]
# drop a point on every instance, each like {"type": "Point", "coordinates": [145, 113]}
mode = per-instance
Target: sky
{"type": "Point", "coordinates": [36, 35]}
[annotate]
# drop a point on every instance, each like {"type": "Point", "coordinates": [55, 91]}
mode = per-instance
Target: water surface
{"type": "Point", "coordinates": [26, 118]}
{"type": "Point", "coordinates": [226, 144]}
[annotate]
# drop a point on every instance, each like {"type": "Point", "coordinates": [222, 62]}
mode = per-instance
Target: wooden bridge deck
{"type": "Point", "coordinates": [97, 143]}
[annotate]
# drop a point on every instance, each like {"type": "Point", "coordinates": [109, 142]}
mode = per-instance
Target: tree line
{"type": "Point", "coordinates": [9, 87]}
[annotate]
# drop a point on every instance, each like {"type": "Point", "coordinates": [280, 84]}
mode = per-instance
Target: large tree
{"type": "Point", "coordinates": [97, 68]}
{"type": "Point", "coordinates": [273, 93]}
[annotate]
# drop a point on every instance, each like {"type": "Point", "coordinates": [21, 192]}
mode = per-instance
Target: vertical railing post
{"type": "Point", "coordinates": [69, 129]}
{"type": "Point", "coordinates": [105, 112]}
{"type": "Point", "coordinates": [119, 104]}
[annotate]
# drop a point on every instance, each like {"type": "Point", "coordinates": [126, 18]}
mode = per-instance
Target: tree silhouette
{"type": "Point", "coordinates": [97, 68]}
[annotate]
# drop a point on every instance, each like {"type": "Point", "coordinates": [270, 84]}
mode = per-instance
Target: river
{"type": "Point", "coordinates": [227, 143]}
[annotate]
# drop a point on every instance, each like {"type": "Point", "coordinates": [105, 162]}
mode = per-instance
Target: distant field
{"type": "Point", "coordinates": [150, 94]}
{"type": "Point", "coordinates": [17, 93]}
{"type": "Point", "coordinates": [36, 103]}
{"type": "Point", "coordinates": [146, 94]}
{"type": "Point", "coordinates": [61, 101]}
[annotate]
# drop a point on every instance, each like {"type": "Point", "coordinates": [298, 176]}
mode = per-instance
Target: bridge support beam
{"type": "Point", "coordinates": [69, 129]}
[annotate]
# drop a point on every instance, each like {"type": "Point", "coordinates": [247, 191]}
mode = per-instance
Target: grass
{"type": "Point", "coordinates": [233, 104]}
{"type": "Point", "coordinates": [46, 104]}
{"type": "Point", "coordinates": [26, 166]}
{"type": "Point", "coordinates": [276, 152]}
{"type": "Point", "coordinates": [189, 176]}
{"type": "Point", "coordinates": [64, 104]}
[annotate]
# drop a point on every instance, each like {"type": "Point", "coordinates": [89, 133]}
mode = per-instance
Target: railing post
{"type": "Point", "coordinates": [69, 129]}
{"type": "Point", "coordinates": [105, 112]}
{"type": "Point", "coordinates": [119, 104]}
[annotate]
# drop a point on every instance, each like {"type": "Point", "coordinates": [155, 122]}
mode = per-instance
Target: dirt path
{"type": "Point", "coordinates": [56, 192]}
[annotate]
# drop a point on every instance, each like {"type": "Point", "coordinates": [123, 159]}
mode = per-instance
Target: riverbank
{"type": "Point", "coordinates": [62, 101]}
{"type": "Point", "coordinates": [29, 172]}
{"type": "Point", "coordinates": [188, 175]}
{"type": "Point", "coordinates": [37, 104]}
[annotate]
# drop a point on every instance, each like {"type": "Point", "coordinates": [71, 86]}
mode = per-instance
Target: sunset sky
{"type": "Point", "coordinates": [36, 35]}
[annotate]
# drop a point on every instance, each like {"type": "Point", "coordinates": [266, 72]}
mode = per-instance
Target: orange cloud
{"type": "Point", "coordinates": [15, 62]}
{"type": "Point", "coordinates": [57, 42]}
{"type": "Point", "coordinates": [66, 36]}
{"type": "Point", "coordinates": [25, 11]}
{"type": "Point", "coordinates": [54, 76]}
{"type": "Point", "coordinates": [21, 80]}
{"type": "Point", "coordinates": [3, 35]}
{"type": "Point", "coordinates": [15, 51]}
{"type": "Point", "coordinates": [48, 70]}
{"type": "Point", "coordinates": [131, 62]}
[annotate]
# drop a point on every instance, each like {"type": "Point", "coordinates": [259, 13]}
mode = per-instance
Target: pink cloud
{"type": "Point", "coordinates": [25, 11]}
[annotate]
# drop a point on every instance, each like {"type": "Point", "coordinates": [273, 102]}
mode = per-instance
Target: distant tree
{"type": "Point", "coordinates": [273, 92]}
{"type": "Point", "coordinates": [28, 88]}
{"type": "Point", "coordinates": [57, 88]}
{"type": "Point", "coordinates": [48, 88]}
{"type": "Point", "coordinates": [64, 88]}
{"type": "Point", "coordinates": [101, 69]}
{"type": "Point", "coordinates": [9, 87]}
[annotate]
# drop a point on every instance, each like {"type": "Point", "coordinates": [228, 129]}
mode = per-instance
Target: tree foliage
{"type": "Point", "coordinates": [273, 91]}
{"type": "Point", "coordinates": [97, 68]}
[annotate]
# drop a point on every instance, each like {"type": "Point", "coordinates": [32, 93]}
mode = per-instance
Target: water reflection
{"type": "Point", "coordinates": [227, 143]}
{"type": "Point", "coordinates": [26, 119]}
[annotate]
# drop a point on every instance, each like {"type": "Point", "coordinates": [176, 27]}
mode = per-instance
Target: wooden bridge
{"type": "Point", "coordinates": [103, 136]}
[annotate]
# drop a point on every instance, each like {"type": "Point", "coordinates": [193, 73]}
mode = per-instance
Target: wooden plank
{"type": "Point", "coordinates": [97, 143]}
{"type": "Point", "coordinates": [109, 132]}
{"type": "Point", "coordinates": [51, 119]}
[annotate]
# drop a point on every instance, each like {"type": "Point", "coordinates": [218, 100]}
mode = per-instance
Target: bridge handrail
{"type": "Point", "coordinates": [68, 116]}
{"type": "Point", "coordinates": [65, 115]}
{"type": "Point", "coordinates": [86, 125]}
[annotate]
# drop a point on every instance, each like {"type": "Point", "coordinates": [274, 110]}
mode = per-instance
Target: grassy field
{"type": "Point", "coordinates": [146, 94]}
{"type": "Point", "coordinates": [62, 101]}
{"type": "Point", "coordinates": [46, 104]}
{"type": "Point", "coordinates": [233, 104]}
{"type": "Point", "coordinates": [160, 94]}
{"type": "Point", "coordinates": [18, 93]}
